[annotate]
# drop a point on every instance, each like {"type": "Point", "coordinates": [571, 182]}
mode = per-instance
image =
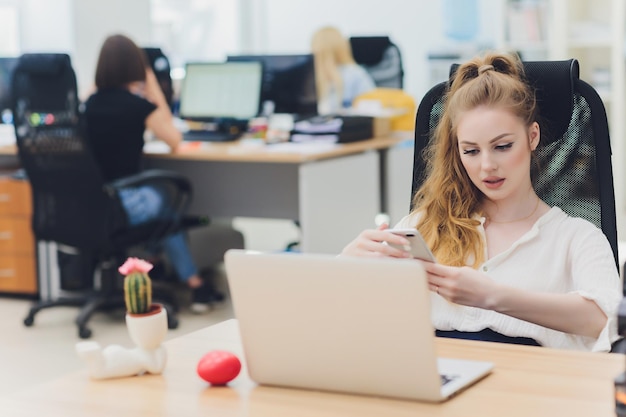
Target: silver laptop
{"type": "Point", "coordinates": [341, 324]}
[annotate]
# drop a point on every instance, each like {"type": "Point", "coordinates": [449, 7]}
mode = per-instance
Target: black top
{"type": "Point", "coordinates": [115, 127]}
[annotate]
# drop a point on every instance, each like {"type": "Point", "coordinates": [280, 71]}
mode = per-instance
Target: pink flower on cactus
{"type": "Point", "coordinates": [134, 265]}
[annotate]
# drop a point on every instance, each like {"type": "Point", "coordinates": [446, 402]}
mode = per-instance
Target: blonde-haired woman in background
{"type": "Point", "coordinates": [339, 79]}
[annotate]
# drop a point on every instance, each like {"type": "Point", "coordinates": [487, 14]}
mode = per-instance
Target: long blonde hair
{"type": "Point", "coordinates": [448, 200]}
{"type": "Point", "coordinates": [330, 50]}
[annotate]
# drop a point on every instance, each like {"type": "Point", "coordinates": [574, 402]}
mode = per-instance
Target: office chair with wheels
{"type": "Point", "coordinates": [574, 154]}
{"type": "Point", "coordinates": [72, 205]}
{"type": "Point", "coordinates": [381, 58]}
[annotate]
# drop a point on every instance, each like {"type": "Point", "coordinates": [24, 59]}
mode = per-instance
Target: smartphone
{"type": "Point", "coordinates": [417, 246]}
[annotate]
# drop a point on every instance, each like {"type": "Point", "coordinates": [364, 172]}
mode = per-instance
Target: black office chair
{"type": "Point", "coordinates": [381, 58]}
{"type": "Point", "coordinates": [72, 205]}
{"type": "Point", "coordinates": [574, 155]}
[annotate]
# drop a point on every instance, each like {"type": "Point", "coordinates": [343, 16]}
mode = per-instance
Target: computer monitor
{"type": "Point", "coordinates": [288, 82]}
{"type": "Point", "coordinates": [7, 64]}
{"type": "Point", "coordinates": [227, 90]}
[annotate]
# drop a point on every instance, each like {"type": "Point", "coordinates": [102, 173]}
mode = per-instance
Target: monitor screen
{"type": "Point", "coordinates": [288, 82]}
{"type": "Point", "coordinates": [220, 90]}
{"type": "Point", "coordinates": [6, 71]}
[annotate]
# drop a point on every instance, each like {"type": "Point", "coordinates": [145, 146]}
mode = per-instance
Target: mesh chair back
{"type": "Point", "coordinates": [573, 161]}
{"type": "Point", "coordinates": [70, 203]}
{"type": "Point", "coordinates": [381, 58]}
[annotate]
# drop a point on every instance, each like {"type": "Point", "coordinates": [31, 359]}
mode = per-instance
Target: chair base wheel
{"type": "Point", "coordinates": [84, 333]}
{"type": "Point", "coordinates": [172, 322]}
{"type": "Point", "coordinates": [28, 321]}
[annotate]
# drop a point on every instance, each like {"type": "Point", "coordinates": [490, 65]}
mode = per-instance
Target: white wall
{"type": "Point", "coordinates": [94, 20]}
{"type": "Point", "coordinates": [289, 24]}
{"type": "Point", "coordinates": [267, 26]}
{"type": "Point", "coordinates": [45, 26]}
{"type": "Point", "coordinates": [416, 26]}
{"type": "Point", "coordinates": [78, 27]}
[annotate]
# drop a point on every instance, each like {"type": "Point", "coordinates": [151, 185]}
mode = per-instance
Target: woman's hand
{"type": "Point", "coordinates": [371, 243]}
{"type": "Point", "coordinates": [461, 285]}
{"type": "Point", "coordinates": [564, 312]}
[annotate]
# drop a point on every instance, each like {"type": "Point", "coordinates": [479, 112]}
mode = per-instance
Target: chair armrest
{"type": "Point", "coordinates": [150, 177]}
{"type": "Point", "coordinates": [178, 192]}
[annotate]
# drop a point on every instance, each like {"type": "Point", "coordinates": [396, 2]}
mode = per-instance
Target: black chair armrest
{"type": "Point", "coordinates": [179, 196]}
{"type": "Point", "coordinates": [619, 346]}
{"type": "Point", "coordinates": [150, 177]}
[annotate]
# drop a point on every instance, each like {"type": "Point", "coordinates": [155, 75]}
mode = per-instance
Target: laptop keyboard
{"type": "Point", "coordinates": [447, 378]}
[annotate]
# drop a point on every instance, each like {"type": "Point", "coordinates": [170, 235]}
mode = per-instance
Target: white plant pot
{"type": "Point", "coordinates": [148, 330]}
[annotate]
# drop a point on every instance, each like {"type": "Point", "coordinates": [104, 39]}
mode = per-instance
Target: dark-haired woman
{"type": "Point", "coordinates": [129, 101]}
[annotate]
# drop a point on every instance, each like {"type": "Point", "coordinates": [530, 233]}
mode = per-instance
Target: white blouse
{"type": "Point", "coordinates": [559, 254]}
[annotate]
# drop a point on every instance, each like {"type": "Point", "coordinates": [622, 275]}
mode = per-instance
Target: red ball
{"type": "Point", "coordinates": [218, 367]}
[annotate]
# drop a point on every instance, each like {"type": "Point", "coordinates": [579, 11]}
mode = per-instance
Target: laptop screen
{"type": "Point", "coordinates": [221, 90]}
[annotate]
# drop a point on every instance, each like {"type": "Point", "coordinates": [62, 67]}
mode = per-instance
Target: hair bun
{"type": "Point", "coordinates": [485, 68]}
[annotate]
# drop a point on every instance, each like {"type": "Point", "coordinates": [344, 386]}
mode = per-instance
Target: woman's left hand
{"type": "Point", "coordinates": [460, 285]}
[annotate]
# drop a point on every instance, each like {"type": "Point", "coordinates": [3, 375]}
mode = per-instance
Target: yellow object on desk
{"type": "Point", "coordinates": [400, 105]}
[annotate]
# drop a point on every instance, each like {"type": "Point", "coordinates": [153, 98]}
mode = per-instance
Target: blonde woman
{"type": "Point", "coordinates": [339, 79]}
{"type": "Point", "coordinates": [510, 268]}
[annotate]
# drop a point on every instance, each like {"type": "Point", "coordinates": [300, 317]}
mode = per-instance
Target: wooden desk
{"type": "Point", "coordinates": [526, 381]}
{"type": "Point", "coordinates": [289, 153]}
{"type": "Point", "coordinates": [334, 193]}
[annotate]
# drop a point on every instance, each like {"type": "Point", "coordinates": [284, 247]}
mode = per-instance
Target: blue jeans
{"type": "Point", "coordinates": [145, 203]}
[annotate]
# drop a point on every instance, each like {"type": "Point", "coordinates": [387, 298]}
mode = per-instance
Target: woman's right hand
{"type": "Point", "coordinates": [373, 243]}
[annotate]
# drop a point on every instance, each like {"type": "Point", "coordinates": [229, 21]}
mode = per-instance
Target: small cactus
{"type": "Point", "coordinates": [137, 285]}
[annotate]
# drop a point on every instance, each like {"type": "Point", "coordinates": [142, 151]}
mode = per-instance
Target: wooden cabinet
{"type": "Point", "coordinates": [18, 272]}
